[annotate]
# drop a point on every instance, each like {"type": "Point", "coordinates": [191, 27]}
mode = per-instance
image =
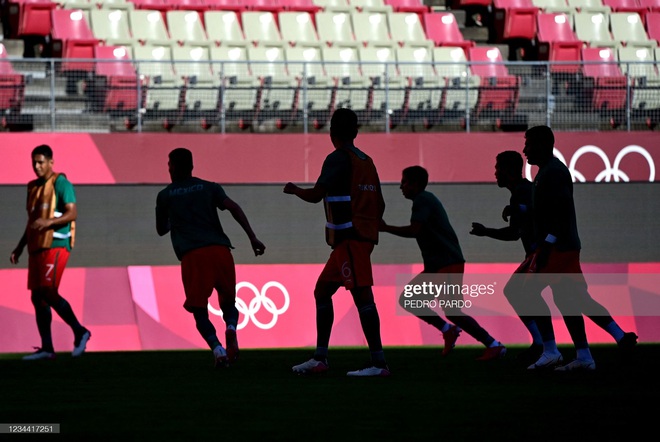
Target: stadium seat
{"type": "Point", "coordinates": [334, 5]}
{"type": "Point", "coordinates": [274, 6]}
{"type": "Point", "coordinates": [260, 28]}
{"type": "Point", "coordinates": [72, 38]}
{"type": "Point", "coordinates": [371, 6]}
{"type": "Point", "coordinates": [186, 28]}
{"type": "Point", "coordinates": [164, 88]}
{"type": "Point", "coordinates": [12, 85]}
{"type": "Point", "coordinates": [550, 6]}
{"type": "Point", "coordinates": [514, 19]}
{"type": "Point", "coordinates": [277, 94]}
{"type": "Point", "coordinates": [202, 91]}
{"type": "Point", "coordinates": [115, 4]}
{"type": "Point", "coordinates": [83, 5]}
{"type": "Point", "coordinates": [416, 6]}
{"type": "Point", "coordinates": [371, 29]}
{"type": "Point", "coordinates": [115, 84]}
{"type": "Point", "coordinates": [594, 29]}
{"type": "Point", "coordinates": [29, 17]}
{"type": "Point", "coordinates": [607, 88]}
{"type": "Point", "coordinates": [240, 87]}
{"type": "Point", "coordinates": [442, 29]}
{"type": "Point", "coordinates": [236, 6]}
{"type": "Point", "coordinates": [111, 26]}
{"type": "Point", "coordinates": [148, 27]}
{"type": "Point", "coordinates": [461, 93]}
{"type": "Point", "coordinates": [626, 6]}
{"type": "Point", "coordinates": [301, 6]}
{"type": "Point", "coordinates": [589, 6]}
{"type": "Point", "coordinates": [558, 43]}
{"type": "Point", "coordinates": [645, 80]}
{"type": "Point", "coordinates": [425, 87]}
{"type": "Point", "coordinates": [224, 28]}
{"type": "Point", "coordinates": [406, 30]}
{"type": "Point", "coordinates": [298, 29]}
{"type": "Point", "coordinates": [650, 5]}
{"type": "Point", "coordinates": [343, 65]}
{"type": "Point", "coordinates": [653, 26]}
{"type": "Point", "coordinates": [498, 91]}
{"type": "Point", "coordinates": [316, 86]}
{"type": "Point", "coordinates": [627, 28]}
{"type": "Point", "coordinates": [335, 29]}
{"type": "Point", "coordinates": [388, 93]}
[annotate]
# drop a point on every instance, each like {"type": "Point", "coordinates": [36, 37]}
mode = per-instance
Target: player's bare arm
{"type": "Point", "coordinates": [162, 222]}
{"type": "Point", "coordinates": [16, 253]}
{"type": "Point", "coordinates": [70, 214]}
{"type": "Point", "coordinates": [410, 231]}
{"type": "Point", "coordinates": [238, 214]}
{"type": "Point", "coordinates": [312, 195]}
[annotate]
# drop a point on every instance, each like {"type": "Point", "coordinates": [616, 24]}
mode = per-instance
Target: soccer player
{"type": "Point", "coordinates": [49, 236]}
{"type": "Point", "coordinates": [187, 208]}
{"type": "Point", "coordinates": [508, 174]}
{"type": "Point", "coordinates": [350, 188]}
{"type": "Point", "coordinates": [442, 254]}
{"type": "Point", "coordinates": [556, 260]}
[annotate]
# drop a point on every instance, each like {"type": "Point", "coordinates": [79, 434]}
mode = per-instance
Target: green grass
{"type": "Point", "coordinates": [178, 396]}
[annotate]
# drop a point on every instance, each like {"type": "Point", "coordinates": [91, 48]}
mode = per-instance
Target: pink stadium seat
{"type": "Point", "coordinates": [301, 5]}
{"type": "Point", "coordinates": [12, 84]}
{"type": "Point", "coordinates": [72, 38]}
{"type": "Point", "coordinates": [237, 6]}
{"type": "Point", "coordinates": [498, 90]}
{"type": "Point", "coordinates": [557, 42]}
{"type": "Point", "coordinates": [609, 84]}
{"type": "Point", "coordinates": [29, 17]}
{"type": "Point", "coordinates": [653, 26]}
{"type": "Point", "coordinates": [627, 6]}
{"type": "Point", "coordinates": [115, 80]}
{"type": "Point", "coordinates": [650, 5]}
{"type": "Point", "coordinates": [273, 6]}
{"type": "Point", "coordinates": [416, 6]}
{"type": "Point", "coordinates": [200, 6]}
{"type": "Point", "coordinates": [442, 29]}
{"type": "Point", "coordinates": [514, 19]}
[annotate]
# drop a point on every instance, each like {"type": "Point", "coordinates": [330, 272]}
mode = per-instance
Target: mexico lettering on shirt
{"type": "Point", "coordinates": [185, 190]}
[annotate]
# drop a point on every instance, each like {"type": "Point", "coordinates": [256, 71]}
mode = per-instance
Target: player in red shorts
{"type": "Point", "coordinates": [350, 187]}
{"type": "Point", "coordinates": [187, 209]}
{"type": "Point", "coordinates": [49, 236]}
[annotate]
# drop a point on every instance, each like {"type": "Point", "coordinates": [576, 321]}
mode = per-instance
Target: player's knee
{"type": "Point", "coordinates": [362, 296]}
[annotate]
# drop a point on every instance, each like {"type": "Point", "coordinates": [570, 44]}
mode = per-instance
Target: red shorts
{"type": "Point", "coordinates": [205, 269]}
{"type": "Point", "coordinates": [350, 265]}
{"type": "Point", "coordinates": [558, 262]}
{"type": "Point", "coordinates": [45, 268]}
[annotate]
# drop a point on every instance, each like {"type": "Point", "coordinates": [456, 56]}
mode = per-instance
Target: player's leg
{"type": "Point", "coordinates": [44, 318]}
{"type": "Point", "coordinates": [226, 288]}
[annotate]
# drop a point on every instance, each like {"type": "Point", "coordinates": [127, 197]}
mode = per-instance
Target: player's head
{"type": "Point", "coordinates": [180, 163]}
{"type": "Point", "coordinates": [539, 143]}
{"type": "Point", "coordinates": [343, 126]}
{"type": "Point", "coordinates": [508, 167]}
{"type": "Point", "coordinates": [414, 179]}
{"type": "Point", "coordinates": [42, 161]}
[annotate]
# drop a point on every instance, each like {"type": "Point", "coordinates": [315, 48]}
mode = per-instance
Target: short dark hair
{"type": "Point", "coordinates": [542, 136]}
{"type": "Point", "coordinates": [417, 174]}
{"type": "Point", "coordinates": [344, 124]}
{"type": "Point", "coordinates": [510, 161]}
{"type": "Point", "coordinates": [43, 149]}
{"type": "Point", "coordinates": [182, 159]}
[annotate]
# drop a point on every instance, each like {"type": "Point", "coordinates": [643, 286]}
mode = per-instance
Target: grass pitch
{"type": "Point", "coordinates": [179, 396]}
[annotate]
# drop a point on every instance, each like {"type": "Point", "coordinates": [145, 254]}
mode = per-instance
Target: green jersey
{"type": "Point", "coordinates": [64, 194]}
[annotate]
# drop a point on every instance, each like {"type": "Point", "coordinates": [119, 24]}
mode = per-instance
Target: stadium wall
{"type": "Point", "coordinates": [124, 279]}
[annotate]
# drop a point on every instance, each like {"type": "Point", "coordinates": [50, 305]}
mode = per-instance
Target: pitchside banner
{"type": "Point", "coordinates": [140, 307]}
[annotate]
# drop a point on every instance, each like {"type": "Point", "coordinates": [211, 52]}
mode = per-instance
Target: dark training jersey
{"type": "Point", "coordinates": [554, 207]}
{"type": "Point", "coordinates": [521, 195]}
{"type": "Point", "coordinates": [437, 239]}
{"type": "Point", "coordinates": [191, 207]}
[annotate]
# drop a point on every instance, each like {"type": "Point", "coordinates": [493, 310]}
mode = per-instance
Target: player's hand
{"type": "Point", "coordinates": [41, 224]}
{"type": "Point", "coordinates": [290, 188]}
{"type": "Point", "coordinates": [13, 258]}
{"type": "Point", "coordinates": [478, 229]}
{"type": "Point", "coordinates": [507, 212]}
{"type": "Point", "coordinates": [258, 247]}
{"type": "Point", "coordinates": [541, 257]}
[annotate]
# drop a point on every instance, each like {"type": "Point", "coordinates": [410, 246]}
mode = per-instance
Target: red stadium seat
{"type": "Point", "coordinates": [498, 90]}
{"type": "Point", "coordinates": [29, 17]}
{"type": "Point", "coordinates": [627, 6]}
{"type": "Point", "coordinates": [557, 42]}
{"type": "Point", "coordinates": [12, 85]}
{"type": "Point", "coordinates": [650, 5]}
{"type": "Point", "coordinates": [301, 5]}
{"type": "Point", "coordinates": [653, 26]}
{"type": "Point", "coordinates": [442, 29]}
{"type": "Point", "coordinates": [416, 6]}
{"type": "Point", "coordinates": [115, 80]}
{"type": "Point", "coordinates": [608, 87]}
{"type": "Point", "coordinates": [273, 6]}
{"type": "Point", "coordinates": [514, 19]}
{"type": "Point", "coordinates": [72, 38]}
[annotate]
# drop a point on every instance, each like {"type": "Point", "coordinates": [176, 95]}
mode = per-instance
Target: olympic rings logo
{"type": "Point", "coordinates": [250, 310]}
{"type": "Point", "coordinates": [611, 172]}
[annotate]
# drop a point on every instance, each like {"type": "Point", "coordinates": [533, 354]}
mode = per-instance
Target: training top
{"type": "Point", "coordinates": [191, 207]}
{"type": "Point", "coordinates": [437, 239]}
{"type": "Point", "coordinates": [522, 195]}
{"type": "Point", "coordinates": [47, 199]}
{"type": "Point", "coordinates": [554, 207]}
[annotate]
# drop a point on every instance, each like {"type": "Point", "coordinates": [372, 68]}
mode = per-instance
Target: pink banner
{"type": "Point", "coordinates": [140, 308]}
{"type": "Point", "coordinates": [278, 158]}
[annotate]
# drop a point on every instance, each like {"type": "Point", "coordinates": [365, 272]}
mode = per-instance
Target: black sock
{"type": "Point", "coordinates": [205, 327]}
{"type": "Point", "coordinates": [44, 319]}
{"type": "Point", "coordinates": [371, 326]}
{"type": "Point", "coordinates": [325, 316]}
{"type": "Point", "coordinates": [64, 310]}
